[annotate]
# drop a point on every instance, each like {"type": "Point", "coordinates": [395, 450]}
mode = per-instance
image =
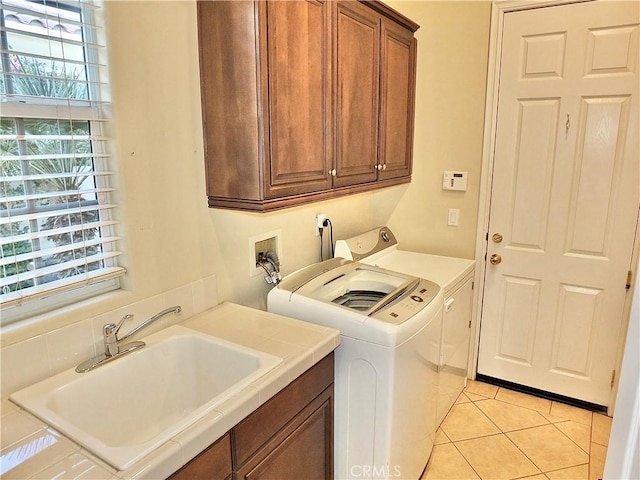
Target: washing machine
{"type": "Point", "coordinates": [386, 364]}
{"type": "Point", "coordinates": [454, 275]}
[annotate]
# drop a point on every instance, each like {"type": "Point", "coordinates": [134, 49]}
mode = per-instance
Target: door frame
{"type": "Point", "coordinates": [498, 9]}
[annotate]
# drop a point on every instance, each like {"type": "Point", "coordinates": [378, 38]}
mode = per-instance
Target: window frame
{"type": "Point", "coordinates": [16, 106]}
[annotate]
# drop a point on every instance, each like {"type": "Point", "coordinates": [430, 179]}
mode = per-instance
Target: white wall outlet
{"type": "Point", "coordinates": [320, 218]}
{"type": "Point", "coordinates": [454, 217]}
{"type": "Point", "coordinates": [270, 241]}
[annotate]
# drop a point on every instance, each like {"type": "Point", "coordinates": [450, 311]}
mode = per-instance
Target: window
{"type": "Point", "coordinates": [56, 226]}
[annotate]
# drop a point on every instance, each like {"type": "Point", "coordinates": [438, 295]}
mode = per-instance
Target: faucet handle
{"type": "Point", "coordinates": [110, 335]}
{"type": "Point", "coordinates": [124, 317]}
{"type": "Point", "coordinates": [111, 329]}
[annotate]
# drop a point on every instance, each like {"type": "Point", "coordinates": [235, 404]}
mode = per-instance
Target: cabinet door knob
{"type": "Point", "coordinates": [379, 166]}
{"type": "Point", "coordinates": [332, 172]}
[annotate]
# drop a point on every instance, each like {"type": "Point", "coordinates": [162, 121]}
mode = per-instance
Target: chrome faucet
{"type": "Point", "coordinates": [110, 336]}
{"type": "Point", "coordinates": [110, 331]}
{"type": "Point", "coordinates": [115, 347]}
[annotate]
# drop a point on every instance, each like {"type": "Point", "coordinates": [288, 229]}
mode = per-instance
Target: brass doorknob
{"type": "Point", "coordinates": [496, 237]}
{"type": "Point", "coordinates": [495, 259]}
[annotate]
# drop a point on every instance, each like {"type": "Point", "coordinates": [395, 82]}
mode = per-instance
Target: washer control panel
{"type": "Point", "coordinates": [366, 244]}
{"type": "Point", "coordinates": [408, 304]}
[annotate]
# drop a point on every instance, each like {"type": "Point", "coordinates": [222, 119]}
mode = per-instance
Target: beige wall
{"type": "Point", "coordinates": [170, 236]}
{"type": "Point", "coordinates": [453, 45]}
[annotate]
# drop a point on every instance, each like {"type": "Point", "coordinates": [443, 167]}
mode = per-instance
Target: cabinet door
{"type": "Point", "coordinates": [303, 449]}
{"type": "Point", "coordinates": [228, 62]}
{"type": "Point", "coordinates": [397, 73]}
{"type": "Point", "coordinates": [357, 79]}
{"type": "Point", "coordinates": [212, 464]}
{"type": "Point", "coordinates": [456, 335]}
{"type": "Point", "coordinates": [296, 92]}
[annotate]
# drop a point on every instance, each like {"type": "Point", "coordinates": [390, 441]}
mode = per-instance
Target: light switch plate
{"type": "Point", "coordinates": [454, 217]}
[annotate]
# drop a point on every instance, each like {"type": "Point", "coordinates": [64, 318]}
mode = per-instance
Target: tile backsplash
{"type": "Point", "coordinates": [39, 357]}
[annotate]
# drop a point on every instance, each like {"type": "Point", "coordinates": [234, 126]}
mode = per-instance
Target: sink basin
{"type": "Point", "coordinates": [125, 409]}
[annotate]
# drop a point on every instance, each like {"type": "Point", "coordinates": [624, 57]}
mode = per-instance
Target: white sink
{"type": "Point", "coordinates": [125, 409]}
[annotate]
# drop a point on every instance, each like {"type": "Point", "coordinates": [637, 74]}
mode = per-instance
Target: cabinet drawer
{"type": "Point", "coordinates": [256, 430]}
{"type": "Point", "coordinates": [212, 463]}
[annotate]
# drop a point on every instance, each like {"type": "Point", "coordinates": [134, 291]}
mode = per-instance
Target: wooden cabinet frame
{"type": "Point", "coordinates": [285, 121]}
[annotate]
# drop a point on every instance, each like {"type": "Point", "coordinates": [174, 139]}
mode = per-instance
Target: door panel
{"type": "Point", "coordinates": [574, 340]}
{"type": "Point", "coordinates": [612, 50]}
{"type": "Point", "coordinates": [565, 198]}
{"type": "Point", "coordinates": [543, 55]}
{"type": "Point", "coordinates": [299, 97]}
{"type": "Point", "coordinates": [357, 53]}
{"type": "Point", "coordinates": [533, 169]}
{"type": "Point", "coordinates": [596, 182]}
{"type": "Point", "coordinates": [518, 319]}
{"type": "Point", "coordinates": [396, 101]}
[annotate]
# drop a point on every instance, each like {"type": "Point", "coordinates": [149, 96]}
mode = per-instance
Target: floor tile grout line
{"type": "Point", "coordinates": [508, 438]}
{"type": "Point", "coordinates": [590, 435]}
{"type": "Point", "coordinates": [522, 429]}
{"type": "Point", "coordinates": [445, 435]}
{"type": "Point", "coordinates": [541, 471]}
{"type": "Point", "coordinates": [519, 405]}
{"type": "Point", "coordinates": [538, 466]}
{"type": "Point", "coordinates": [504, 431]}
{"type": "Point", "coordinates": [548, 422]}
{"type": "Point", "coordinates": [454, 443]}
{"type": "Point", "coordinates": [540, 412]}
{"type": "Point", "coordinates": [565, 468]}
{"type": "Point", "coordinates": [525, 454]}
{"type": "Point", "coordinates": [467, 460]}
{"type": "Point", "coordinates": [501, 432]}
{"type": "Point", "coordinates": [574, 442]}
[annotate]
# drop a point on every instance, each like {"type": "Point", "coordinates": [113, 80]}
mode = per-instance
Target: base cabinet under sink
{"type": "Point", "coordinates": [212, 464]}
{"type": "Point", "coordinates": [290, 436]}
{"type": "Point", "coordinates": [300, 450]}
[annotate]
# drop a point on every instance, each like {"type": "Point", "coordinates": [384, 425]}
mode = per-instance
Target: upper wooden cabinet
{"type": "Point", "coordinates": [304, 100]}
{"type": "Point", "coordinates": [397, 100]}
{"type": "Point", "coordinates": [357, 53]}
{"type": "Point", "coordinates": [266, 95]}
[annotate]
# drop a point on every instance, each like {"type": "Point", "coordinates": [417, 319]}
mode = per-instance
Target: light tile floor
{"type": "Point", "coordinates": [495, 433]}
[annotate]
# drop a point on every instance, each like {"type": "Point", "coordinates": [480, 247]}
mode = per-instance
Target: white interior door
{"type": "Point", "coordinates": [564, 199]}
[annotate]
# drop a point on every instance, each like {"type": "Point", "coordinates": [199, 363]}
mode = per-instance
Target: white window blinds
{"type": "Point", "coordinates": [56, 220]}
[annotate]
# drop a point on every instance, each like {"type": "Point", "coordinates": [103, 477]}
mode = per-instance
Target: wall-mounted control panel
{"type": "Point", "coordinates": [454, 181]}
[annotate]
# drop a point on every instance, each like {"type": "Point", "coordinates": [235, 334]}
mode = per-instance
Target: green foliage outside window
{"type": "Point", "coordinates": [68, 168]}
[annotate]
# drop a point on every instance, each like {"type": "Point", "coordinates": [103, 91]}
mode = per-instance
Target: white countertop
{"type": "Point", "coordinates": [32, 449]}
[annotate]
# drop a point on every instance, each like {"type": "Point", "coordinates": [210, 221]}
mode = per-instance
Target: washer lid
{"type": "Point", "coordinates": [359, 286]}
{"type": "Point", "coordinates": [294, 281]}
{"type": "Point", "coordinates": [365, 289]}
